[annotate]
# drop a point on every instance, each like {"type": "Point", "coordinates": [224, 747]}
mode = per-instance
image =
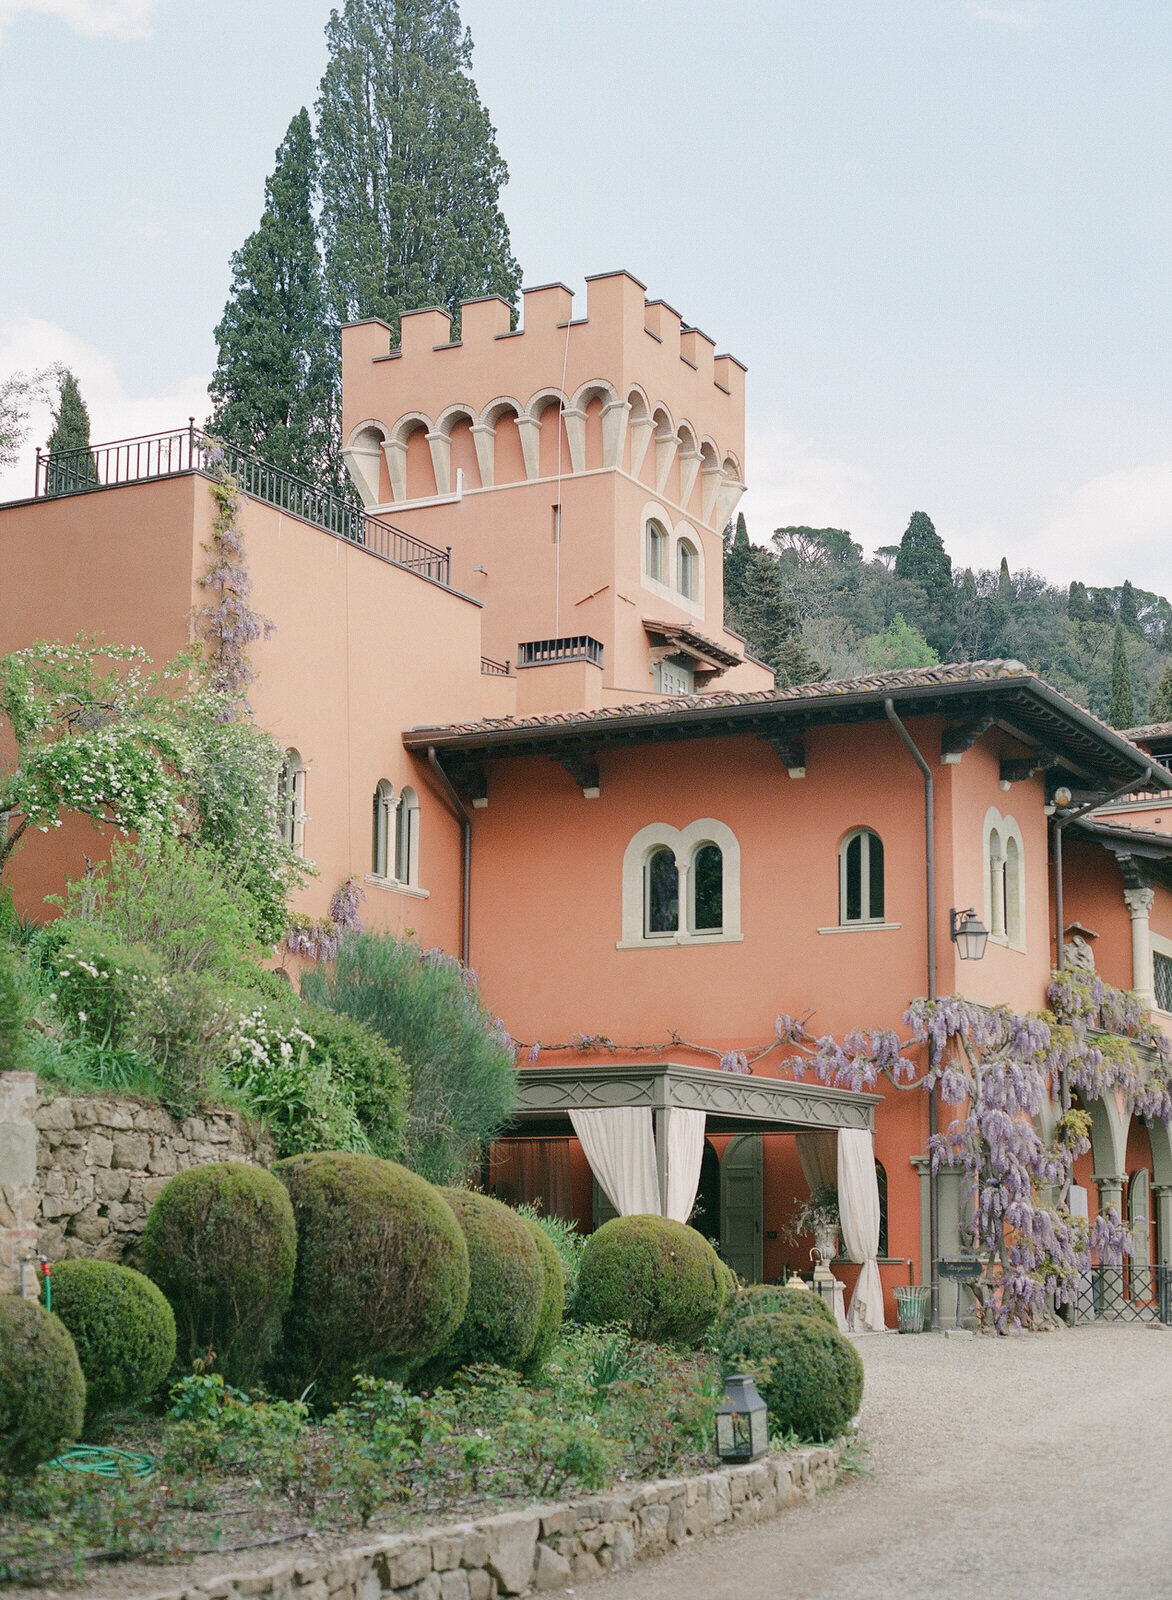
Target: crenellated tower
{"type": "Point", "coordinates": [581, 470]}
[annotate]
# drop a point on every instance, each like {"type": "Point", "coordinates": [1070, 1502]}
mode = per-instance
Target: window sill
{"type": "Point", "coordinates": [863, 927]}
{"type": "Point", "coordinates": [396, 887]}
{"type": "Point", "coordinates": [1003, 943]}
{"type": "Point", "coordinates": [680, 941]}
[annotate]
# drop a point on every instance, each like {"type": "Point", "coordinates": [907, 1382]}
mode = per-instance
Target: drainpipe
{"type": "Point", "coordinates": [930, 907]}
{"type": "Point", "coordinates": [457, 807]}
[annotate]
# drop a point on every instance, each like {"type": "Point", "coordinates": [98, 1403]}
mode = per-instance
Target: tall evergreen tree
{"type": "Point", "coordinates": [1004, 582]}
{"type": "Point", "coordinates": [1129, 606]}
{"type": "Point", "coordinates": [1160, 709]}
{"type": "Point", "coordinates": [1078, 606]}
{"type": "Point", "coordinates": [1122, 714]}
{"type": "Point", "coordinates": [410, 171]}
{"type": "Point", "coordinates": [757, 607]}
{"type": "Point", "coordinates": [75, 467]}
{"type": "Point", "coordinates": [275, 387]}
{"type": "Point", "coordinates": [923, 559]}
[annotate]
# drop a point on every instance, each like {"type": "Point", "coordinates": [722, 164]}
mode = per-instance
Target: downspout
{"type": "Point", "coordinates": [930, 907]}
{"type": "Point", "coordinates": [457, 806]}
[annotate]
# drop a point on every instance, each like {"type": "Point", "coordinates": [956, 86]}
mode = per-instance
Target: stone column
{"type": "Point", "coordinates": [18, 1179]}
{"type": "Point", "coordinates": [1139, 904]}
{"type": "Point", "coordinates": [1110, 1193]}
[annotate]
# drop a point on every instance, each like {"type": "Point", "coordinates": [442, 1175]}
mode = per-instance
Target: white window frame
{"type": "Point", "coordinates": [703, 933]}
{"type": "Point", "coordinates": [407, 839]}
{"type": "Point", "coordinates": [291, 794]}
{"type": "Point", "coordinates": [1004, 880]}
{"type": "Point", "coordinates": [656, 536]}
{"type": "Point", "coordinates": [865, 835]}
{"type": "Point", "coordinates": [382, 833]}
{"type": "Point", "coordinates": [686, 547]}
{"type": "Point", "coordinates": [684, 843]}
{"type": "Point", "coordinates": [1160, 947]}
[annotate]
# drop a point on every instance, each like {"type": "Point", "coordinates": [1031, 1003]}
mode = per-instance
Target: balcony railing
{"type": "Point", "coordinates": [494, 669]}
{"type": "Point", "coordinates": [163, 455]}
{"type": "Point", "coordinates": [546, 652]}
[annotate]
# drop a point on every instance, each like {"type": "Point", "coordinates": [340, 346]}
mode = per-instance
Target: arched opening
{"type": "Point", "coordinates": [688, 570]}
{"type": "Point", "coordinates": [383, 806]}
{"type": "Point", "coordinates": [706, 889]}
{"type": "Point", "coordinates": [661, 893]}
{"type": "Point", "coordinates": [291, 800]}
{"type": "Point", "coordinates": [420, 469]}
{"type": "Point", "coordinates": [407, 838]}
{"type": "Point", "coordinates": [861, 890]}
{"type": "Point", "coordinates": [881, 1180]}
{"type": "Point", "coordinates": [655, 547]}
{"type": "Point", "coordinates": [1012, 875]}
{"type": "Point", "coordinates": [554, 444]}
{"type": "Point", "coordinates": [996, 867]}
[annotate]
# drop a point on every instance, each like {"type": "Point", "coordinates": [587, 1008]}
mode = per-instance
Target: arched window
{"type": "Point", "coordinates": [661, 893]}
{"type": "Point", "coordinates": [655, 551]}
{"type": "Point", "coordinates": [706, 881]}
{"type": "Point", "coordinates": [1012, 890]}
{"type": "Point", "coordinates": [291, 800]}
{"type": "Point", "coordinates": [384, 805]}
{"type": "Point", "coordinates": [1004, 880]}
{"type": "Point", "coordinates": [407, 838]}
{"type": "Point", "coordinates": [687, 569]}
{"type": "Point", "coordinates": [860, 877]}
{"type": "Point", "coordinates": [881, 1180]}
{"type": "Point", "coordinates": [996, 885]}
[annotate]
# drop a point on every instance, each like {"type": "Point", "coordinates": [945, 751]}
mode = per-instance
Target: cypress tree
{"type": "Point", "coordinates": [1160, 709]}
{"type": "Point", "coordinates": [1129, 606]}
{"type": "Point", "coordinates": [77, 468]}
{"type": "Point", "coordinates": [1004, 582]}
{"type": "Point", "coordinates": [1078, 606]}
{"type": "Point", "coordinates": [923, 559]}
{"type": "Point", "coordinates": [757, 607]}
{"type": "Point", "coordinates": [275, 388]}
{"type": "Point", "coordinates": [410, 171]}
{"type": "Point", "coordinates": [1122, 702]}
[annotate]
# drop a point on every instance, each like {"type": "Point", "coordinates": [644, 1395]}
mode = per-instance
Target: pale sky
{"type": "Point", "coordinates": [937, 231]}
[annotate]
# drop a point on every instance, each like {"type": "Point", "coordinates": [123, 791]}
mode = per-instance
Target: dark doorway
{"type": "Point", "coordinates": [705, 1216]}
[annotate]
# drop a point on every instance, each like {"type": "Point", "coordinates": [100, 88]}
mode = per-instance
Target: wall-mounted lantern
{"type": "Point", "coordinates": [742, 1421]}
{"type": "Point", "coordinates": [969, 934]}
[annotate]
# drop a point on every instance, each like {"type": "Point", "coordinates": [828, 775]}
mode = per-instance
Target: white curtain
{"type": "Point", "coordinates": [620, 1147]}
{"type": "Point", "coordinates": [858, 1210]}
{"type": "Point", "coordinates": [818, 1154]}
{"type": "Point", "coordinates": [685, 1151]}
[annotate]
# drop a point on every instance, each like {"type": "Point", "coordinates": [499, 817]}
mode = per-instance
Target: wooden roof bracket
{"type": "Point", "coordinates": [1029, 767]}
{"type": "Point", "coordinates": [791, 747]}
{"type": "Point", "coordinates": [955, 741]}
{"type": "Point", "coordinates": [584, 771]}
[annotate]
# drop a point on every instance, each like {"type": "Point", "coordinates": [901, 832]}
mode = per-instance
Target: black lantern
{"type": "Point", "coordinates": [969, 935]}
{"type": "Point", "coordinates": [742, 1421]}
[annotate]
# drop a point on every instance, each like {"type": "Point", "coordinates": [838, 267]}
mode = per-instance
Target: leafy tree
{"type": "Point", "coordinates": [275, 390]}
{"type": "Point", "coordinates": [18, 393]}
{"type": "Point", "coordinates": [923, 559]}
{"type": "Point", "coordinates": [1122, 713]}
{"type": "Point", "coordinates": [70, 435]}
{"type": "Point", "coordinates": [899, 645]}
{"type": "Point", "coordinates": [1160, 705]}
{"type": "Point", "coordinates": [410, 171]}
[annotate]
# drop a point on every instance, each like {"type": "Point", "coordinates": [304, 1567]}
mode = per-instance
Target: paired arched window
{"type": "Point", "coordinates": [687, 570]}
{"type": "Point", "coordinates": [394, 848]}
{"type": "Point", "coordinates": [681, 885]}
{"type": "Point", "coordinates": [860, 877]}
{"type": "Point", "coordinates": [291, 800]}
{"type": "Point", "coordinates": [1004, 879]}
{"type": "Point", "coordinates": [655, 547]}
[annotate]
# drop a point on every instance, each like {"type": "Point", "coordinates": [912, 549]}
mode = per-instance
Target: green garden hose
{"type": "Point", "coordinates": [104, 1460]}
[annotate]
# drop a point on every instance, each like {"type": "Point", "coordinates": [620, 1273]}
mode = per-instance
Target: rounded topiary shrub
{"type": "Point", "coordinates": [660, 1279]}
{"type": "Point", "coordinates": [220, 1242]}
{"type": "Point", "coordinates": [810, 1377]}
{"type": "Point", "coordinates": [42, 1391]}
{"type": "Point", "coordinates": [553, 1300]}
{"type": "Point", "coordinates": [382, 1273]}
{"type": "Point", "coordinates": [762, 1299]}
{"type": "Point", "coordinates": [506, 1287]}
{"type": "Point", "coordinates": [122, 1327]}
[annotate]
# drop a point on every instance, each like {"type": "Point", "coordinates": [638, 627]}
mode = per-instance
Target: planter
{"type": "Point", "coordinates": [826, 1242]}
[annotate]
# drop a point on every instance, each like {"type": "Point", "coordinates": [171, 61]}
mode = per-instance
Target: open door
{"type": "Point", "coordinates": [740, 1206]}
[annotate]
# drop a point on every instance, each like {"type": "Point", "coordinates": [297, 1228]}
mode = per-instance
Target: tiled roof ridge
{"type": "Point", "coordinates": [1150, 730]}
{"type": "Point", "coordinates": [946, 672]}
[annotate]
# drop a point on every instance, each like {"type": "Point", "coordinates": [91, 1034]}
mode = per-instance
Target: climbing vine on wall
{"type": "Point", "coordinates": [228, 625]}
{"type": "Point", "coordinates": [1000, 1070]}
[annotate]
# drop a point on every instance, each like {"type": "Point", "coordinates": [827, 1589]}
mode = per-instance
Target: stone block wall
{"type": "Point", "coordinates": [78, 1174]}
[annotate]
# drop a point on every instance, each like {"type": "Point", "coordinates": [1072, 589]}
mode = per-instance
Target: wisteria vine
{"type": "Point", "coordinates": [229, 625]}
{"type": "Point", "coordinates": [999, 1069]}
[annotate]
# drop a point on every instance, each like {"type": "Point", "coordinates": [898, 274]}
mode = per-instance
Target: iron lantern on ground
{"type": "Point", "coordinates": [742, 1421]}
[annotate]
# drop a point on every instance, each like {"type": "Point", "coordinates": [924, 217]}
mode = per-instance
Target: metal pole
{"type": "Point", "coordinates": [930, 904]}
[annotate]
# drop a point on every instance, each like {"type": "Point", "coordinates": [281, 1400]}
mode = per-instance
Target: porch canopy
{"type": "Point", "coordinates": [670, 1109]}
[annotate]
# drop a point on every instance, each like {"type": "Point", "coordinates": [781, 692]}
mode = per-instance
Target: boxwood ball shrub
{"type": "Point", "coordinates": [810, 1377]}
{"type": "Point", "coordinates": [221, 1243]}
{"type": "Point", "coordinates": [42, 1391]}
{"type": "Point", "coordinates": [122, 1327]}
{"type": "Point", "coordinates": [506, 1287]}
{"type": "Point", "coordinates": [382, 1273]}
{"type": "Point", "coordinates": [758, 1299]}
{"type": "Point", "coordinates": [553, 1299]}
{"type": "Point", "coordinates": [660, 1279]}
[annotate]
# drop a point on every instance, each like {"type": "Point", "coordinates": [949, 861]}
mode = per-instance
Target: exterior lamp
{"type": "Point", "coordinates": [742, 1421]}
{"type": "Point", "coordinates": [969, 934]}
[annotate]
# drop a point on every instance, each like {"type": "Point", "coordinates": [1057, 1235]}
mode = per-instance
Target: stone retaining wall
{"type": "Point", "coordinates": [78, 1174]}
{"type": "Point", "coordinates": [546, 1547]}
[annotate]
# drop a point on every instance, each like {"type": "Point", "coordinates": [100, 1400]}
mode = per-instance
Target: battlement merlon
{"type": "Point", "coordinates": [639, 350]}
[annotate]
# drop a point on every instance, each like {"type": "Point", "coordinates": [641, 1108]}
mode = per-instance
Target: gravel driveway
{"type": "Point", "coordinates": [1035, 1467]}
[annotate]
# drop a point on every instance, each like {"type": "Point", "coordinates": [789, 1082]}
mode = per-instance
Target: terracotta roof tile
{"type": "Point", "coordinates": [1150, 730]}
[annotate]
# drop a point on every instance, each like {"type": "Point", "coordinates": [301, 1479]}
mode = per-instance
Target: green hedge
{"type": "Point", "coordinates": [42, 1390]}
{"type": "Point", "coordinates": [810, 1377]}
{"type": "Point", "coordinates": [761, 1299]}
{"type": "Point", "coordinates": [506, 1287]}
{"type": "Point", "coordinates": [375, 1074]}
{"type": "Point", "coordinates": [11, 1015]}
{"type": "Point", "coordinates": [382, 1273]}
{"type": "Point", "coordinates": [660, 1279]}
{"type": "Point", "coordinates": [553, 1300]}
{"type": "Point", "coordinates": [122, 1328]}
{"type": "Point", "coordinates": [220, 1242]}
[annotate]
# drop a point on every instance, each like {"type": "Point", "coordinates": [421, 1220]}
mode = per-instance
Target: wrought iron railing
{"type": "Point", "coordinates": [543, 652]}
{"type": "Point", "coordinates": [1135, 1292]}
{"type": "Point", "coordinates": [495, 669]}
{"type": "Point", "coordinates": [163, 455]}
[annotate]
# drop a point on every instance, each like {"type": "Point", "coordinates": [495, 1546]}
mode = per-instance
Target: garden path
{"type": "Point", "coordinates": [1035, 1467]}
